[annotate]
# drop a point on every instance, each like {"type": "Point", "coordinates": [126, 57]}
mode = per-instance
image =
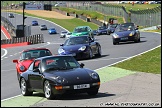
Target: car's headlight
{"type": "Point", "coordinates": [132, 33]}
{"type": "Point", "coordinates": [94, 75]}
{"type": "Point", "coordinates": [82, 48]}
{"type": "Point", "coordinates": [61, 51]}
{"type": "Point", "coordinates": [58, 79]}
{"type": "Point", "coordinates": [22, 68]}
{"type": "Point", "coordinates": [115, 35]}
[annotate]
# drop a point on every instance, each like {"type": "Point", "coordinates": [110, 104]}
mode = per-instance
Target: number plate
{"type": "Point", "coordinates": [81, 86]}
{"type": "Point", "coordinates": [72, 54]}
{"type": "Point", "coordinates": [124, 38]}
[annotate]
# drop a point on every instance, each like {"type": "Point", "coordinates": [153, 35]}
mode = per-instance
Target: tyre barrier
{"type": "Point", "coordinates": [33, 39]}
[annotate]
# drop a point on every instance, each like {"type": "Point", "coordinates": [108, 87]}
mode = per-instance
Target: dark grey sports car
{"type": "Point", "coordinates": [56, 75]}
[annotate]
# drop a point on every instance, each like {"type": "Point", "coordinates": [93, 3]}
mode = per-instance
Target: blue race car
{"type": "Point", "coordinates": [126, 32]}
{"type": "Point", "coordinates": [80, 47]}
{"type": "Point", "coordinates": [34, 23]}
{"type": "Point", "coordinates": [52, 31]}
{"type": "Point", "coordinates": [101, 30]}
{"type": "Point", "coordinates": [111, 28]}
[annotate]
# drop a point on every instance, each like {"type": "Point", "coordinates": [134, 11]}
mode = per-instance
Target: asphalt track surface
{"type": "Point", "coordinates": [110, 54]}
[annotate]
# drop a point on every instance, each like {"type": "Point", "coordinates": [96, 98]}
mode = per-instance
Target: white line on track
{"type": "Point", "coordinates": [4, 53]}
{"type": "Point", "coordinates": [129, 58]}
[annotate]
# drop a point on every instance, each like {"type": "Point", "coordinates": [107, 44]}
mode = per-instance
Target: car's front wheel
{"type": "Point", "coordinates": [48, 90]}
{"type": "Point", "coordinates": [98, 51]}
{"type": "Point", "coordinates": [24, 88]}
{"type": "Point", "coordinates": [92, 92]}
{"type": "Point", "coordinates": [90, 54]}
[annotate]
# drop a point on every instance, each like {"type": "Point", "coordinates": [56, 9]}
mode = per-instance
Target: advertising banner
{"type": "Point", "coordinates": [34, 7]}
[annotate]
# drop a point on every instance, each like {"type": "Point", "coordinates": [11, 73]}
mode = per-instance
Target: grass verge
{"type": "Point", "coordinates": [149, 62]}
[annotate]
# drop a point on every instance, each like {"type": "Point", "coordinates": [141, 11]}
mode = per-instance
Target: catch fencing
{"type": "Point", "coordinates": [148, 17]}
{"type": "Point", "coordinates": [145, 18]}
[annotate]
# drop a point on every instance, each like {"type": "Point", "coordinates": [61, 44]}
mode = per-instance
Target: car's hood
{"type": "Point", "coordinates": [73, 76]}
{"type": "Point", "coordinates": [73, 48]}
{"type": "Point", "coordinates": [26, 63]}
{"type": "Point", "coordinates": [123, 33]}
{"type": "Point", "coordinates": [79, 33]}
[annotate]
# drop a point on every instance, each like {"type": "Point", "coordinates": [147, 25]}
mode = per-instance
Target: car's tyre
{"type": "Point", "coordinates": [136, 40]}
{"type": "Point", "coordinates": [90, 54]}
{"type": "Point", "coordinates": [92, 92]}
{"type": "Point", "coordinates": [24, 88]}
{"type": "Point", "coordinates": [48, 90]}
{"type": "Point", "coordinates": [99, 51]}
{"type": "Point", "coordinates": [108, 33]}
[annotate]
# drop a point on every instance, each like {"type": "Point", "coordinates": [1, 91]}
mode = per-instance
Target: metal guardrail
{"type": "Point", "coordinates": [33, 39]}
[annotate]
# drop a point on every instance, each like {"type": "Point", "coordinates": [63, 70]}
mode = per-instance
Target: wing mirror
{"type": "Point", "coordinates": [62, 45]}
{"type": "Point", "coordinates": [15, 61]}
{"type": "Point", "coordinates": [82, 65]}
{"type": "Point", "coordinates": [36, 70]}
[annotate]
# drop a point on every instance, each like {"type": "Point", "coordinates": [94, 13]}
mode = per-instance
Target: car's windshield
{"type": "Point", "coordinates": [81, 29]}
{"type": "Point", "coordinates": [102, 28]}
{"type": "Point", "coordinates": [121, 28]}
{"type": "Point", "coordinates": [113, 25]}
{"type": "Point", "coordinates": [43, 25]}
{"type": "Point", "coordinates": [64, 32]}
{"type": "Point", "coordinates": [32, 54]}
{"type": "Point", "coordinates": [77, 40]}
{"type": "Point", "coordinates": [59, 63]}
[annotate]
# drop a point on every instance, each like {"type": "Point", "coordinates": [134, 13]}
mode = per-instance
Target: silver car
{"type": "Point", "coordinates": [63, 34]}
{"type": "Point", "coordinates": [43, 27]}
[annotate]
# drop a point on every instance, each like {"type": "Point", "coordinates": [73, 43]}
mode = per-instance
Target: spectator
{"type": "Point", "coordinates": [132, 3]}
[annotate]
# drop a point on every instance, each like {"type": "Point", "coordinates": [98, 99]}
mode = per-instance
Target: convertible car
{"type": "Point", "coordinates": [102, 30]}
{"type": "Point", "coordinates": [111, 28]}
{"type": "Point", "coordinates": [81, 47]}
{"type": "Point", "coordinates": [83, 30]}
{"type": "Point", "coordinates": [57, 75]}
{"type": "Point", "coordinates": [27, 57]}
{"type": "Point", "coordinates": [126, 32]}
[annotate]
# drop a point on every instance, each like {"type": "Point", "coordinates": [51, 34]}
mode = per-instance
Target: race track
{"type": "Point", "coordinates": [110, 54]}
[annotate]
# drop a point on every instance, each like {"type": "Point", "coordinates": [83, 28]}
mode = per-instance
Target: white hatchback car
{"type": "Point", "coordinates": [63, 34]}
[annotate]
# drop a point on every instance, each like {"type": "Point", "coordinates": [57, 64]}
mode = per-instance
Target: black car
{"type": "Point", "coordinates": [81, 47]}
{"type": "Point", "coordinates": [10, 15]}
{"type": "Point", "coordinates": [57, 75]}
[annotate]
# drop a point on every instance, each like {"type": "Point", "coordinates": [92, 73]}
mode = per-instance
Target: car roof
{"type": "Point", "coordinates": [35, 49]}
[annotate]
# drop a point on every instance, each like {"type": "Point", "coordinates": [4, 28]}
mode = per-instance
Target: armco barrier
{"type": "Point", "coordinates": [33, 39]}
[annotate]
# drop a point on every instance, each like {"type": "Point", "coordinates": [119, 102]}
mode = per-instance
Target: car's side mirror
{"type": "Point", "coordinates": [82, 65]}
{"type": "Point", "coordinates": [15, 61]}
{"type": "Point", "coordinates": [36, 70]}
{"type": "Point", "coordinates": [62, 45]}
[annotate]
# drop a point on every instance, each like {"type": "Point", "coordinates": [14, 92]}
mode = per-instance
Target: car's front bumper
{"type": "Point", "coordinates": [57, 90]}
{"type": "Point", "coordinates": [124, 39]}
